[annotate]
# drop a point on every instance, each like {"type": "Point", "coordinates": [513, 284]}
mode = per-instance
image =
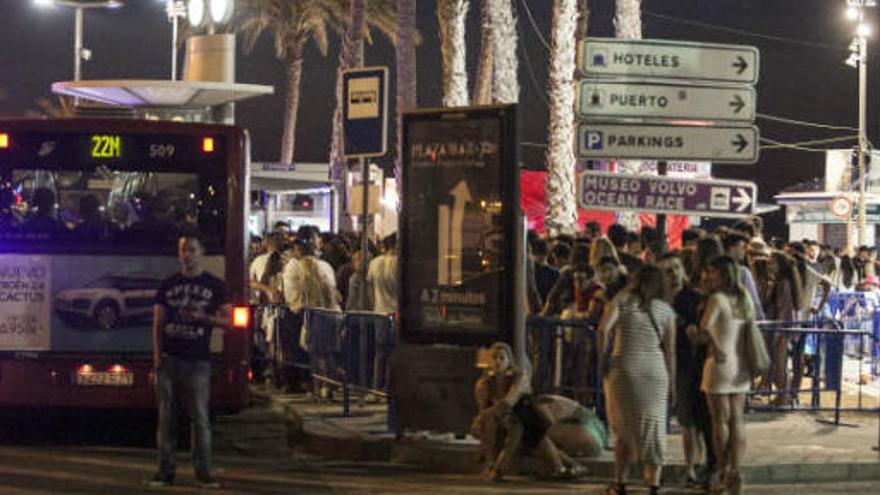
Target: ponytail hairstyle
{"type": "Point", "coordinates": [275, 263]}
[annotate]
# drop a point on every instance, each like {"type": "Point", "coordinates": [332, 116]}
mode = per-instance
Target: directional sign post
{"type": "Point", "coordinates": [719, 144]}
{"type": "Point", "coordinates": [600, 57]}
{"type": "Point", "coordinates": [598, 99]}
{"type": "Point", "coordinates": [710, 198]}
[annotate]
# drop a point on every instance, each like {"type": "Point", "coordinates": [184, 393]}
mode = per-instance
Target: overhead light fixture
{"type": "Point", "coordinates": [195, 13]}
{"type": "Point", "coordinates": [852, 13]}
{"type": "Point", "coordinates": [221, 11]}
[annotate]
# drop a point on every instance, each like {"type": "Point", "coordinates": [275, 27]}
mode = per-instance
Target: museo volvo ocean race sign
{"type": "Point", "coordinates": [709, 198]}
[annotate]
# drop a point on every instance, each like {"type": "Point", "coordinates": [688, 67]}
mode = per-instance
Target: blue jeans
{"type": "Point", "coordinates": [187, 381]}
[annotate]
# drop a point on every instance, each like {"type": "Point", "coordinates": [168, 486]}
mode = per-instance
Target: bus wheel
{"type": "Point", "coordinates": [106, 315]}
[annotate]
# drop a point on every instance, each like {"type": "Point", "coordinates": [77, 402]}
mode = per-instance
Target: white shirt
{"type": "Point", "coordinates": [382, 278]}
{"type": "Point", "coordinates": [292, 280]}
{"type": "Point", "coordinates": [258, 267]}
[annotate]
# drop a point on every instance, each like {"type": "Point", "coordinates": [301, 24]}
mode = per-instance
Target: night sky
{"type": "Point", "coordinates": [803, 45]}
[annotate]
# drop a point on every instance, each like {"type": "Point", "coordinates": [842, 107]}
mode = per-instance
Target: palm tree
{"type": "Point", "coordinates": [561, 164]}
{"type": "Point", "coordinates": [628, 25]}
{"type": "Point", "coordinates": [485, 69]}
{"type": "Point", "coordinates": [361, 13]}
{"type": "Point", "coordinates": [451, 15]}
{"type": "Point", "coordinates": [62, 107]}
{"type": "Point", "coordinates": [294, 24]}
{"type": "Point", "coordinates": [405, 53]}
{"type": "Point", "coordinates": [505, 81]}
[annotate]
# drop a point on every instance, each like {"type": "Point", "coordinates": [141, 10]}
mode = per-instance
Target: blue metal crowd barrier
{"type": "Point", "coordinates": [564, 362]}
{"type": "Point", "coordinates": [350, 350]}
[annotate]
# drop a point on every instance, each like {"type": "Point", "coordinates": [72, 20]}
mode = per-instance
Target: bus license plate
{"type": "Point", "coordinates": [125, 379]}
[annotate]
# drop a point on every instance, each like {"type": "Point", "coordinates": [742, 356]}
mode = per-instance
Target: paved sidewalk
{"type": "Point", "coordinates": [781, 448]}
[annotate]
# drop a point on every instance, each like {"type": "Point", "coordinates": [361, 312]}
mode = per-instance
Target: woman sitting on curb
{"type": "Point", "coordinates": [508, 419]}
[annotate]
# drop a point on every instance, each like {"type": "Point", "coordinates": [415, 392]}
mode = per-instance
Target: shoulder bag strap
{"type": "Point", "coordinates": [656, 328]}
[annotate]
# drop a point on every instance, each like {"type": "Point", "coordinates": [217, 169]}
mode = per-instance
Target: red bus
{"type": "Point", "coordinates": [89, 213]}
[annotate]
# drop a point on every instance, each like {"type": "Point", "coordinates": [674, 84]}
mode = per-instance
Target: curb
{"type": "Point", "coordinates": [436, 457]}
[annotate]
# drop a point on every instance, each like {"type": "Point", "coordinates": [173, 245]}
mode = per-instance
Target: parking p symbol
{"type": "Point", "coordinates": [593, 140]}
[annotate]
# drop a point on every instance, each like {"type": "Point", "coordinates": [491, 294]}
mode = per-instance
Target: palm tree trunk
{"type": "Point", "coordinates": [406, 75]}
{"type": "Point", "coordinates": [628, 25]}
{"type": "Point", "coordinates": [451, 15]}
{"type": "Point", "coordinates": [483, 84]}
{"type": "Point", "coordinates": [561, 164]}
{"type": "Point", "coordinates": [505, 84]}
{"type": "Point", "coordinates": [294, 65]}
{"type": "Point", "coordinates": [349, 57]}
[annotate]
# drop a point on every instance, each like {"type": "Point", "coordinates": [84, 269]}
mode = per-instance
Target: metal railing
{"type": "Point", "coordinates": [563, 357]}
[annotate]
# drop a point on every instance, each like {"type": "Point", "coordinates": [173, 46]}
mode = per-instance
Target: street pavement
{"type": "Point", "coordinates": [96, 455]}
{"type": "Point", "coordinates": [793, 447]}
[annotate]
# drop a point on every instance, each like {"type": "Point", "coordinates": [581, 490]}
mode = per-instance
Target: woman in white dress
{"type": "Point", "coordinates": [726, 379]}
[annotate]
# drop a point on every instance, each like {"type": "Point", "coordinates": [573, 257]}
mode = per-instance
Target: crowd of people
{"type": "Point", "coordinates": [671, 326]}
{"type": "Point", "coordinates": [293, 271]}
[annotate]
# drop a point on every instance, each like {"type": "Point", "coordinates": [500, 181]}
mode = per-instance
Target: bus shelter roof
{"type": "Point", "coordinates": [161, 93]}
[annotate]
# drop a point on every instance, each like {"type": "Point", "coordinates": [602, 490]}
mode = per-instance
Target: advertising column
{"type": "Point", "coordinates": [458, 260]}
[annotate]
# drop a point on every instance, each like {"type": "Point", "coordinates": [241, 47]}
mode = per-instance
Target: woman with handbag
{"type": "Point", "coordinates": [726, 374]}
{"type": "Point", "coordinates": [640, 374]}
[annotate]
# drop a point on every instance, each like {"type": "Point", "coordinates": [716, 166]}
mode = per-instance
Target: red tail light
{"type": "Point", "coordinates": [117, 368]}
{"type": "Point", "coordinates": [85, 369]}
{"type": "Point", "coordinates": [241, 317]}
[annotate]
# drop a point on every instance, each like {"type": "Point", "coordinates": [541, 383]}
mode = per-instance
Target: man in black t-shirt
{"type": "Point", "coordinates": [189, 305]}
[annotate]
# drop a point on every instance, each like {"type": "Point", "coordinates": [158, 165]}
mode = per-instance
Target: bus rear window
{"type": "Point", "coordinates": [107, 210]}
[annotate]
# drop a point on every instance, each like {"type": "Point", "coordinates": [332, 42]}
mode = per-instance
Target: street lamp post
{"type": "Point", "coordinates": [859, 55]}
{"type": "Point", "coordinates": [80, 53]}
{"type": "Point", "coordinates": [176, 10]}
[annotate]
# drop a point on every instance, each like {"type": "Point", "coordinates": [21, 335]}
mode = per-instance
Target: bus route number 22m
{"type": "Point", "coordinates": [106, 146]}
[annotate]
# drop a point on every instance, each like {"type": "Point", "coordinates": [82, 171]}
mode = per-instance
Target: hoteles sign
{"type": "Point", "coordinates": [710, 198]}
{"type": "Point", "coordinates": [457, 226]}
{"type": "Point", "coordinates": [602, 57]}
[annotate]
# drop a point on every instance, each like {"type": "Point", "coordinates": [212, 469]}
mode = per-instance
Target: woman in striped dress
{"type": "Point", "coordinates": [642, 328]}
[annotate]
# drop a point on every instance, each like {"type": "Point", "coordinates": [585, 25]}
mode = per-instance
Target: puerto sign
{"type": "Point", "coordinates": [728, 144]}
{"type": "Point", "coordinates": [708, 198]}
{"type": "Point", "coordinates": [599, 99]}
{"type": "Point", "coordinates": [601, 57]}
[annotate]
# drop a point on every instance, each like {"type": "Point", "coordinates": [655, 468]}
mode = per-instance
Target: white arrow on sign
{"type": "Point", "coordinates": [742, 199]}
{"type": "Point", "coordinates": [729, 144]}
{"type": "Point", "coordinates": [615, 99]}
{"type": "Point", "coordinates": [449, 254]}
{"type": "Point", "coordinates": [462, 196]}
{"type": "Point", "coordinates": [668, 59]}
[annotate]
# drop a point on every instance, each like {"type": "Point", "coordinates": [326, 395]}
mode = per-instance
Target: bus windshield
{"type": "Point", "coordinates": [103, 208]}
